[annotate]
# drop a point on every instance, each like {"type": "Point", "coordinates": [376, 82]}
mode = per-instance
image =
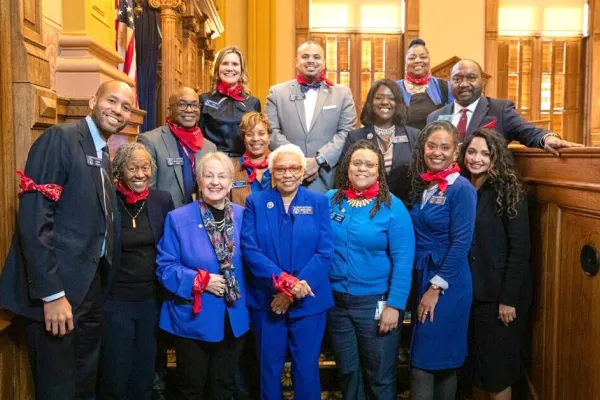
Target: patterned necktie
{"type": "Point", "coordinates": [462, 125]}
{"type": "Point", "coordinates": [108, 206]}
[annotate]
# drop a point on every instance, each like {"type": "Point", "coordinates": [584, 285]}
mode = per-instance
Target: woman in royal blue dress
{"type": "Point", "coordinates": [443, 215]}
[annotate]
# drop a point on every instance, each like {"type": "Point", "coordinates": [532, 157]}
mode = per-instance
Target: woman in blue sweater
{"type": "Point", "coordinates": [370, 274]}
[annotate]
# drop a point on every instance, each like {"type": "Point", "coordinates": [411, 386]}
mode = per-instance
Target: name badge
{"type": "Point", "coordinates": [295, 97]}
{"type": "Point", "coordinates": [339, 218]}
{"type": "Point", "coordinates": [172, 161]}
{"type": "Point", "coordinates": [302, 210]}
{"type": "Point", "coordinates": [437, 200]}
{"type": "Point", "coordinates": [93, 161]}
{"type": "Point", "coordinates": [400, 139]}
{"type": "Point", "coordinates": [445, 118]}
{"type": "Point", "coordinates": [211, 104]}
{"type": "Point", "coordinates": [238, 184]}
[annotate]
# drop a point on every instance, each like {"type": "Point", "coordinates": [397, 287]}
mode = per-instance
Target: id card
{"type": "Point", "coordinates": [379, 310]}
{"type": "Point", "coordinates": [173, 161]}
{"type": "Point", "coordinates": [302, 210]}
{"type": "Point", "coordinates": [93, 161]}
{"type": "Point", "coordinates": [400, 139]}
{"type": "Point", "coordinates": [437, 200]}
{"type": "Point", "coordinates": [212, 104]}
{"type": "Point", "coordinates": [238, 184]}
{"type": "Point", "coordinates": [446, 117]}
{"type": "Point", "coordinates": [339, 218]}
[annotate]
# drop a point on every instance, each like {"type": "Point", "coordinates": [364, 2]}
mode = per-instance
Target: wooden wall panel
{"type": "Point", "coordinates": [565, 356]}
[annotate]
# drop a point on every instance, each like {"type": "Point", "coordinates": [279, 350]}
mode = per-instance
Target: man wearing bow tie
{"type": "Point", "coordinates": [471, 111]}
{"type": "Point", "coordinates": [314, 113]}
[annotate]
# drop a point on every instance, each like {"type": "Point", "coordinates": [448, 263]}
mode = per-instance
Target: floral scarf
{"type": "Point", "coordinates": [223, 244]}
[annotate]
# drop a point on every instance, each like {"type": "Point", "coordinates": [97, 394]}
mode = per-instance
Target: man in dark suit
{"type": "Point", "coordinates": [471, 110]}
{"type": "Point", "coordinates": [64, 252]}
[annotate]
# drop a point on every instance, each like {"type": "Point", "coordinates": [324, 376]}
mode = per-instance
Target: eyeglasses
{"type": "Point", "coordinates": [360, 163]}
{"type": "Point", "coordinates": [294, 169]}
{"type": "Point", "coordinates": [182, 106]}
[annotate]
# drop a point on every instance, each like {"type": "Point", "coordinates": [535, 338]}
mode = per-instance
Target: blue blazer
{"type": "Point", "coordinates": [183, 249]}
{"type": "Point", "coordinates": [508, 121]}
{"type": "Point", "coordinates": [57, 245]}
{"type": "Point", "coordinates": [312, 250]}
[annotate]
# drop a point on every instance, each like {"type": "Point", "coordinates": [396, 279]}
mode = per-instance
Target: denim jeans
{"type": "Point", "coordinates": [366, 360]}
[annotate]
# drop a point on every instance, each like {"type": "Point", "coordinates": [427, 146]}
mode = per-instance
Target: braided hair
{"type": "Point", "coordinates": [341, 180]}
{"type": "Point", "coordinates": [417, 163]}
{"type": "Point", "coordinates": [501, 175]}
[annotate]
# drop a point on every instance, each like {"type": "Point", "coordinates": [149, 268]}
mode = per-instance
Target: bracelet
{"type": "Point", "coordinates": [547, 135]}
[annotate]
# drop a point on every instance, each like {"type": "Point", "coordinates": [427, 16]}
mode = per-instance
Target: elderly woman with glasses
{"type": "Point", "coordinates": [200, 266]}
{"type": "Point", "coordinates": [222, 109]}
{"type": "Point", "coordinates": [131, 308]}
{"type": "Point", "coordinates": [287, 246]}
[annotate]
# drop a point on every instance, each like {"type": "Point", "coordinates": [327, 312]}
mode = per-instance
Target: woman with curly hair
{"type": "Point", "coordinates": [443, 215]}
{"type": "Point", "coordinates": [499, 265]}
{"type": "Point", "coordinates": [370, 274]}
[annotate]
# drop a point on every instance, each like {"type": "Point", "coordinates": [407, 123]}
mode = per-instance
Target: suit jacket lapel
{"type": "Point", "coordinates": [171, 145]}
{"type": "Point", "coordinates": [484, 199]}
{"type": "Point", "coordinates": [298, 101]}
{"type": "Point", "coordinates": [480, 112]}
{"type": "Point", "coordinates": [400, 147]}
{"type": "Point", "coordinates": [299, 201]}
{"type": "Point", "coordinates": [87, 144]}
{"type": "Point", "coordinates": [324, 92]}
{"type": "Point", "coordinates": [153, 213]}
{"type": "Point", "coordinates": [271, 214]}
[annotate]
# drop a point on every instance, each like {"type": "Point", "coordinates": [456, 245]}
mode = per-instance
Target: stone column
{"type": "Point", "coordinates": [169, 49]}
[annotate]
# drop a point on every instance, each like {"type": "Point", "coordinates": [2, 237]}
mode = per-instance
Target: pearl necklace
{"type": "Point", "coordinates": [385, 132]}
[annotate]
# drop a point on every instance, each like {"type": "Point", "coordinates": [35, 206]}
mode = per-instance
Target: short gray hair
{"type": "Point", "coordinates": [217, 155]}
{"type": "Point", "coordinates": [123, 154]}
{"type": "Point", "coordinates": [286, 149]}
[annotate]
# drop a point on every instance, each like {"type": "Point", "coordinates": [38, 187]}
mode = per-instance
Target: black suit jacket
{"type": "Point", "coordinates": [57, 245]}
{"type": "Point", "coordinates": [159, 204]}
{"type": "Point", "coordinates": [500, 252]}
{"type": "Point", "coordinates": [398, 180]}
{"type": "Point", "coordinates": [508, 121]}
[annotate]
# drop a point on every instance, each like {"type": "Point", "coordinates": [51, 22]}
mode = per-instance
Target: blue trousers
{"type": "Point", "coordinates": [366, 360]}
{"type": "Point", "coordinates": [274, 336]}
{"type": "Point", "coordinates": [128, 349]}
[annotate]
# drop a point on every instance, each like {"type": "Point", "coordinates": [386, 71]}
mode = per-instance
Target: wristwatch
{"type": "Point", "coordinates": [549, 134]}
{"type": "Point", "coordinates": [321, 160]}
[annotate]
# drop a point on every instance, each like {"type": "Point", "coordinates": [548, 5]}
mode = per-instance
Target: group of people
{"type": "Point", "coordinates": [228, 225]}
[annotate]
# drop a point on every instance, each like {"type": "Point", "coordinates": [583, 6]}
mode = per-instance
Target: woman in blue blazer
{"type": "Point", "coordinates": [200, 266]}
{"type": "Point", "coordinates": [443, 215]}
{"type": "Point", "coordinates": [287, 247]}
{"type": "Point", "coordinates": [131, 308]}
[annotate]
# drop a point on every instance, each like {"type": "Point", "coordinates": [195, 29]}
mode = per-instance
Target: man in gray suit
{"type": "Point", "coordinates": [176, 146]}
{"type": "Point", "coordinates": [313, 113]}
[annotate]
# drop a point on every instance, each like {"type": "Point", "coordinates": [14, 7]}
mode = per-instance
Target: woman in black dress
{"type": "Point", "coordinates": [499, 261]}
{"type": "Point", "coordinates": [422, 93]}
{"type": "Point", "coordinates": [223, 108]}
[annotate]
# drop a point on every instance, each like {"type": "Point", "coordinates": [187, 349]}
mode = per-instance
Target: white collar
{"type": "Point", "coordinates": [471, 107]}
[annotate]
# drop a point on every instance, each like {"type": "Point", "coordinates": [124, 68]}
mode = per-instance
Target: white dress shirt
{"type": "Point", "coordinates": [458, 112]}
{"type": "Point", "coordinates": [310, 103]}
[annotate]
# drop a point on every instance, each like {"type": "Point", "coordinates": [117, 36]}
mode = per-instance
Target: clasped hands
{"type": "Point", "coordinates": [281, 302]}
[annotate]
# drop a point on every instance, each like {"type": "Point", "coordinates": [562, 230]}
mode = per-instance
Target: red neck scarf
{"type": "Point", "coordinates": [131, 197]}
{"type": "Point", "coordinates": [440, 177]}
{"type": "Point", "coordinates": [321, 78]}
{"type": "Point", "coordinates": [247, 163]}
{"type": "Point", "coordinates": [189, 137]}
{"type": "Point", "coordinates": [232, 91]}
{"type": "Point", "coordinates": [424, 80]}
{"type": "Point", "coordinates": [369, 193]}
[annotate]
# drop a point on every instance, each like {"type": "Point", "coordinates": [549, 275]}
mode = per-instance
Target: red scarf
{"type": "Point", "coordinates": [369, 193]}
{"type": "Point", "coordinates": [189, 137]}
{"type": "Point", "coordinates": [440, 177]}
{"type": "Point", "coordinates": [424, 80]}
{"type": "Point", "coordinates": [131, 197]}
{"type": "Point", "coordinates": [231, 91]}
{"type": "Point", "coordinates": [199, 284]}
{"type": "Point", "coordinates": [247, 163]}
{"type": "Point", "coordinates": [321, 78]}
{"type": "Point", "coordinates": [51, 191]}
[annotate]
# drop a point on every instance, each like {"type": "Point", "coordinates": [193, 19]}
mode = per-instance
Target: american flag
{"type": "Point", "coordinates": [125, 36]}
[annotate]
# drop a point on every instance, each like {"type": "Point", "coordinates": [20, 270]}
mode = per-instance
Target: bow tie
{"type": "Point", "coordinates": [305, 87]}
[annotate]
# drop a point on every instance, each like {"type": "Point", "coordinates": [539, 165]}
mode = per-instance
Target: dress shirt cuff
{"type": "Point", "coordinates": [439, 281]}
{"type": "Point", "coordinates": [48, 299]}
{"type": "Point", "coordinates": [543, 141]}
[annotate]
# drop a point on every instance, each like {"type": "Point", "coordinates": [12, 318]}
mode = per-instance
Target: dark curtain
{"type": "Point", "coordinates": [147, 42]}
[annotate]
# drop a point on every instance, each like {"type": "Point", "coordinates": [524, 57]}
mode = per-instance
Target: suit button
{"type": "Point", "coordinates": [473, 242]}
{"type": "Point", "coordinates": [96, 259]}
{"type": "Point", "coordinates": [473, 258]}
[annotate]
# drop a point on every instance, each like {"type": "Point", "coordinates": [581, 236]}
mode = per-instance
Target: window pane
{"type": "Point", "coordinates": [559, 91]}
{"type": "Point", "coordinates": [378, 75]}
{"type": "Point", "coordinates": [546, 92]}
{"type": "Point", "coordinates": [365, 62]}
{"type": "Point", "coordinates": [365, 85]}
{"type": "Point", "coordinates": [332, 76]}
{"type": "Point", "coordinates": [546, 57]}
{"type": "Point", "coordinates": [379, 54]}
{"type": "Point", "coordinates": [343, 53]}
{"type": "Point", "coordinates": [331, 46]}
{"type": "Point", "coordinates": [345, 78]}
